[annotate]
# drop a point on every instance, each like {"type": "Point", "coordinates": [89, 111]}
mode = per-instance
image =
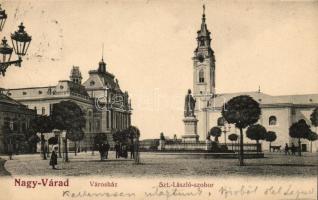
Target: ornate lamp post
{"type": "Point", "coordinates": [3, 18]}
{"type": "Point", "coordinates": [226, 129]}
{"type": "Point", "coordinates": [20, 42]}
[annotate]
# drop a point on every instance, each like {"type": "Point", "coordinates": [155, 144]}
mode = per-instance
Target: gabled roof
{"type": "Point", "coordinates": [4, 99]}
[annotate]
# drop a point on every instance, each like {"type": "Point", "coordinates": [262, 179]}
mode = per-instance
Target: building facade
{"type": "Point", "coordinates": [17, 117]}
{"type": "Point", "coordinates": [112, 106]}
{"type": "Point", "coordinates": [96, 97]}
{"type": "Point", "coordinates": [278, 112]}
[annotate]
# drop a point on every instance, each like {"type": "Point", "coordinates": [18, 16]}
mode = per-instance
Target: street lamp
{"type": "Point", "coordinates": [3, 18]}
{"type": "Point", "coordinates": [20, 42]}
{"type": "Point", "coordinates": [226, 129]}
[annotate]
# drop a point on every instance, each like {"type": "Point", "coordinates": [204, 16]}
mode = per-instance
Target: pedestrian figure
{"type": "Point", "coordinates": [132, 151]}
{"type": "Point", "coordinates": [293, 149]}
{"type": "Point", "coordinates": [125, 151]}
{"type": "Point", "coordinates": [53, 160]}
{"type": "Point", "coordinates": [107, 146]}
{"type": "Point", "coordinates": [117, 148]}
{"type": "Point", "coordinates": [101, 151]}
{"type": "Point", "coordinates": [10, 151]}
{"type": "Point", "coordinates": [286, 149]}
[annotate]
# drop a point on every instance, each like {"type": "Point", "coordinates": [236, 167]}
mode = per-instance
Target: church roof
{"type": "Point", "coordinates": [266, 99]}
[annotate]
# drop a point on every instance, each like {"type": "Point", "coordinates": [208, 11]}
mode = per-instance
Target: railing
{"type": "Point", "coordinates": [190, 146]}
{"type": "Point", "coordinates": [186, 146]}
{"type": "Point", "coordinates": [246, 147]}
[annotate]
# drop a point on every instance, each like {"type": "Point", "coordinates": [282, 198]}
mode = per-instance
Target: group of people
{"type": "Point", "coordinates": [122, 150]}
{"type": "Point", "coordinates": [103, 150]}
{"type": "Point", "coordinates": [293, 149]}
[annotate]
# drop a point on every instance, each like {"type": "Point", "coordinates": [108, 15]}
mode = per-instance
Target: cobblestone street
{"type": "Point", "coordinates": [153, 164]}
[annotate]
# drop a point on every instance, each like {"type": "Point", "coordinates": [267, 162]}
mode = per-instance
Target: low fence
{"type": "Point", "coordinates": [178, 145]}
{"type": "Point", "coordinates": [204, 146]}
{"type": "Point", "coordinates": [246, 147]}
{"type": "Point", "coordinates": [188, 146]}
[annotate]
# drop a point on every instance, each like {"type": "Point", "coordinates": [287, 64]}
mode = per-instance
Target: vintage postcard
{"type": "Point", "coordinates": [158, 99]}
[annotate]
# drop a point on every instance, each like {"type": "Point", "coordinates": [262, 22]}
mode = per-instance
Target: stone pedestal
{"type": "Point", "coordinates": [161, 145]}
{"type": "Point", "coordinates": [190, 130]}
{"type": "Point", "coordinates": [208, 146]}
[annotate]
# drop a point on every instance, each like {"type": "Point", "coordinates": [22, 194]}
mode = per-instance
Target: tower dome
{"type": "Point", "coordinates": [102, 66]}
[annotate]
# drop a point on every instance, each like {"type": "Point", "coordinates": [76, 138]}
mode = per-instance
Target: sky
{"type": "Point", "coordinates": [148, 46]}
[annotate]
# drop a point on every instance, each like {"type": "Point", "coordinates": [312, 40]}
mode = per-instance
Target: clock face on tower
{"type": "Point", "coordinates": [201, 58]}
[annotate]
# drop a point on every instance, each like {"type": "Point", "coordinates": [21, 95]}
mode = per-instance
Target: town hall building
{"type": "Point", "coordinates": [278, 112]}
{"type": "Point", "coordinates": [107, 108]}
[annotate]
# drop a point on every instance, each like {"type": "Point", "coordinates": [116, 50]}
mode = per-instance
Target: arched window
{"type": "Point", "coordinates": [272, 121]}
{"type": "Point", "coordinates": [15, 125]}
{"type": "Point", "coordinates": [201, 76]}
{"type": "Point", "coordinates": [97, 125]}
{"type": "Point", "coordinates": [221, 121]}
{"type": "Point", "coordinates": [202, 43]}
{"type": "Point", "coordinates": [90, 126]}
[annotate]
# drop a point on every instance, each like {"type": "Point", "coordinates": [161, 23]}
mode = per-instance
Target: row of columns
{"type": "Point", "coordinates": [118, 120]}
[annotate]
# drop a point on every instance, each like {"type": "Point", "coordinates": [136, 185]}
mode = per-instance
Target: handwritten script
{"type": "Point", "coordinates": [240, 191]}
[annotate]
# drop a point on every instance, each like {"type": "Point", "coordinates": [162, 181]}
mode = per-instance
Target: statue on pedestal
{"type": "Point", "coordinates": [189, 105]}
{"type": "Point", "coordinates": [190, 121]}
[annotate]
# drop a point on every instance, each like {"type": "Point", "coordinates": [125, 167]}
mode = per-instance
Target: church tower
{"type": "Point", "coordinates": [76, 75]}
{"type": "Point", "coordinates": [203, 63]}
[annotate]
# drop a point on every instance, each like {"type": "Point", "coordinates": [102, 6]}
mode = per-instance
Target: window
{"type": "Point", "coordinates": [201, 42]}
{"type": "Point", "coordinates": [90, 126]}
{"type": "Point", "coordinates": [221, 121]}
{"type": "Point", "coordinates": [24, 127]}
{"type": "Point", "coordinates": [15, 125]}
{"type": "Point", "coordinates": [61, 87]}
{"type": "Point", "coordinates": [40, 92]}
{"type": "Point", "coordinates": [92, 83]}
{"type": "Point", "coordinates": [97, 125]}
{"type": "Point", "coordinates": [272, 121]}
{"type": "Point", "coordinates": [201, 76]}
{"type": "Point", "coordinates": [43, 111]}
{"type": "Point", "coordinates": [24, 93]}
{"type": "Point", "coordinates": [107, 119]}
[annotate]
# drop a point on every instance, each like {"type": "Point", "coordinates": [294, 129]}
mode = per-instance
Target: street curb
{"type": "Point", "coordinates": [3, 171]}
